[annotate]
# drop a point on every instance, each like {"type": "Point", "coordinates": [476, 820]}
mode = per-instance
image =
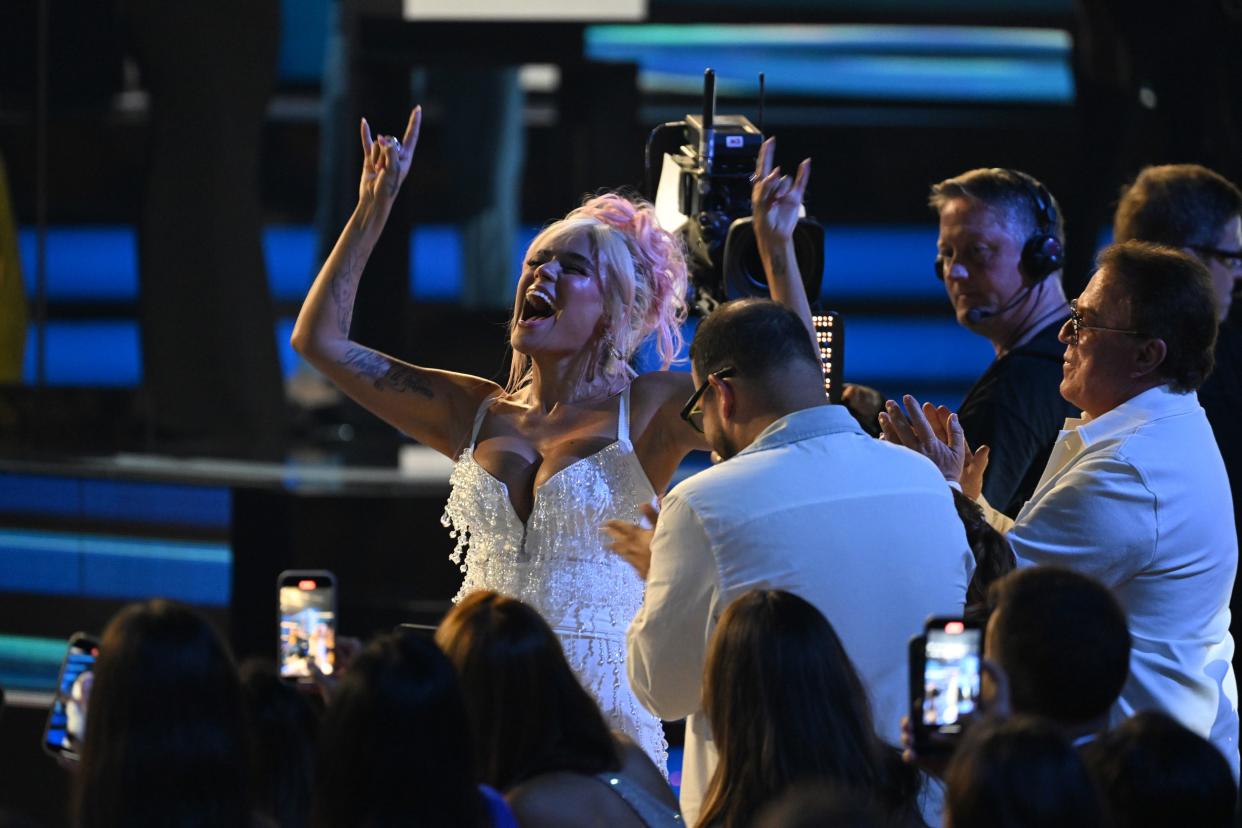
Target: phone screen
{"type": "Point", "coordinates": [307, 624]}
{"type": "Point", "coordinates": [950, 676]}
{"type": "Point", "coordinates": [66, 721]}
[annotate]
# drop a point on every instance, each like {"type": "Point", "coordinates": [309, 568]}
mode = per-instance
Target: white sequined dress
{"type": "Point", "coordinates": [557, 563]}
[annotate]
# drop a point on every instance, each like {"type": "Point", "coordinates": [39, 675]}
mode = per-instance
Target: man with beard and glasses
{"type": "Point", "coordinates": [803, 500]}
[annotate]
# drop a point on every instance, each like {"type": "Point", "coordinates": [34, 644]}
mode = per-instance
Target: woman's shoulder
{"type": "Point", "coordinates": [637, 766]}
{"type": "Point", "coordinates": [662, 385]}
{"type": "Point", "coordinates": [550, 800]}
{"type": "Point", "coordinates": [659, 396]}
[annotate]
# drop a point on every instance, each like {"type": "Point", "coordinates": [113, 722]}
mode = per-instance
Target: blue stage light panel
{"type": "Point", "coordinates": [99, 566]}
{"type": "Point", "coordinates": [84, 263]}
{"type": "Point", "coordinates": [436, 269]}
{"type": "Point", "coordinates": [881, 350]}
{"type": "Point", "coordinates": [882, 262]}
{"type": "Point", "coordinates": [85, 353]}
{"type": "Point", "coordinates": [289, 254]}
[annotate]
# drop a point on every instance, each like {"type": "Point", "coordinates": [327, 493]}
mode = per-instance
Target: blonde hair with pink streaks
{"type": "Point", "coordinates": [642, 272]}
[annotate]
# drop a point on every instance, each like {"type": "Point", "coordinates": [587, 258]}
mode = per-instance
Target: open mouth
{"type": "Point", "coordinates": [537, 306]}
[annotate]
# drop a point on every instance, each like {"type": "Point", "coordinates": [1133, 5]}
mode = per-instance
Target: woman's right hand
{"type": "Point", "coordinates": [386, 161]}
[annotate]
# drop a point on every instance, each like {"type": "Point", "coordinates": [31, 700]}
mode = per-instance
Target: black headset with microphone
{"type": "Point", "coordinates": [1042, 253]}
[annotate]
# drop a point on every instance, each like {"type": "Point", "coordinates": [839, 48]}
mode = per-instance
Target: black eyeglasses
{"type": "Point", "coordinates": [691, 412]}
{"type": "Point", "coordinates": [1231, 259]}
{"type": "Point", "coordinates": [1076, 324]}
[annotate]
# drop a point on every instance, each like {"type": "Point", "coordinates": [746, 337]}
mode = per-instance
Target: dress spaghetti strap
{"type": "Point", "coordinates": [623, 417]}
{"type": "Point", "coordinates": [484, 407]}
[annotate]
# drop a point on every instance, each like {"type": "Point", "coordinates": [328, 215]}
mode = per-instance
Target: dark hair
{"type": "Point", "coordinates": [510, 660]}
{"type": "Point", "coordinates": [282, 725]}
{"type": "Point", "coordinates": [391, 750]}
{"type": "Point", "coordinates": [757, 337]}
{"type": "Point", "coordinates": [1062, 639]}
{"type": "Point", "coordinates": [1154, 772]}
{"type": "Point", "coordinates": [1005, 189]}
{"type": "Point", "coordinates": [165, 740]}
{"type": "Point", "coordinates": [808, 805]}
{"type": "Point", "coordinates": [1018, 773]}
{"type": "Point", "coordinates": [993, 555]}
{"type": "Point", "coordinates": [1170, 297]}
{"type": "Point", "coordinates": [1176, 204]}
{"type": "Point", "coordinates": [786, 705]}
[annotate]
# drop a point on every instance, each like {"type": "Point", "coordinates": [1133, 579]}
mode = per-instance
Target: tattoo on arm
{"type": "Point", "coordinates": [384, 374]}
{"type": "Point", "coordinates": [780, 268]}
{"type": "Point", "coordinates": [344, 290]}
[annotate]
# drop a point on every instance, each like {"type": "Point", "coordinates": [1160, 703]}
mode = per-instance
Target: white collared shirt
{"type": "Point", "coordinates": [864, 530]}
{"type": "Point", "coordinates": [1138, 499]}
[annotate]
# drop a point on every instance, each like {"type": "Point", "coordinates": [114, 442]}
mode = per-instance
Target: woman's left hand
{"type": "Point", "coordinates": [776, 200]}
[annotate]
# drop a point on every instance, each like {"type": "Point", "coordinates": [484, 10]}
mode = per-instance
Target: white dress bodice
{"type": "Point", "coordinates": [557, 562]}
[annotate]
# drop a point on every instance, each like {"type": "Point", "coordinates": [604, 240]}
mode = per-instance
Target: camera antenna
{"type": "Point", "coordinates": [707, 138]}
{"type": "Point", "coordinates": [760, 103]}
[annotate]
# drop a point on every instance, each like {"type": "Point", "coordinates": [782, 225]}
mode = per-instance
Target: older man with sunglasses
{"type": "Point", "coordinates": [803, 500]}
{"type": "Point", "coordinates": [1135, 492]}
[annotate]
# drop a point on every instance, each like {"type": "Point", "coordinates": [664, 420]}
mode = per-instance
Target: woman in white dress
{"type": "Point", "coordinates": [575, 438]}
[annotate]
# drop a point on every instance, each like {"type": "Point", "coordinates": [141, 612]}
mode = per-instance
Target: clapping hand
{"type": "Point", "coordinates": [776, 200]}
{"type": "Point", "coordinates": [936, 433]}
{"type": "Point", "coordinates": [632, 541]}
{"type": "Point", "coordinates": [386, 160]}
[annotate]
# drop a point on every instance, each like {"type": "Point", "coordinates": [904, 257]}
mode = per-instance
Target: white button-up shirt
{"type": "Point", "coordinates": [864, 530]}
{"type": "Point", "coordinates": [1138, 499]}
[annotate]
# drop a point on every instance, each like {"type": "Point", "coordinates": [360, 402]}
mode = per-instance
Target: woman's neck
{"type": "Point", "coordinates": [568, 381]}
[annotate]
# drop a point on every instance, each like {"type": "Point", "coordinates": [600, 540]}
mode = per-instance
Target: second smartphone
{"type": "Point", "coordinates": [307, 619]}
{"type": "Point", "coordinates": [945, 682]}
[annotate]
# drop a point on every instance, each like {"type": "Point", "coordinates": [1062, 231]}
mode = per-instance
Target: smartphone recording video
{"type": "Point", "coordinates": [65, 731]}
{"type": "Point", "coordinates": [307, 623]}
{"type": "Point", "coordinates": [951, 675]}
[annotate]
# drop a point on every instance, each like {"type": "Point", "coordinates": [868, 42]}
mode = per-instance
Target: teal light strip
{"type": "Point", "coordinates": [853, 37]}
{"type": "Point", "coordinates": [29, 663]}
{"type": "Point", "coordinates": [91, 565]}
{"type": "Point", "coordinates": [151, 549]}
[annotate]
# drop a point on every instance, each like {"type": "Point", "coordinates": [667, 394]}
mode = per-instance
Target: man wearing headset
{"type": "Point", "coordinates": [999, 255]}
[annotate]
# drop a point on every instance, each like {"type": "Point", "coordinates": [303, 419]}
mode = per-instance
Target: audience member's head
{"type": "Point", "coordinates": [283, 724]}
{"type": "Point", "coordinates": [391, 750]}
{"type": "Point", "coordinates": [165, 735]}
{"type": "Point", "coordinates": [509, 660]}
{"type": "Point", "coordinates": [1154, 773]}
{"type": "Point", "coordinates": [1190, 207]}
{"type": "Point", "coordinates": [786, 705]}
{"type": "Point", "coordinates": [993, 554]}
{"type": "Point", "coordinates": [759, 363]}
{"type": "Point", "coordinates": [1062, 639]}
{"type": "Point", "coordinates": [1001, 236]}
{"type": "Point", "coordinates": [1020, 773]}
{"type": "Point", "coordinates": [1147, 318]}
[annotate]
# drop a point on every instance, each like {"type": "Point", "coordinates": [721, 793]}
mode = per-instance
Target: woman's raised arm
{"type": "Point", "coordinates": [432, 406]}
{"type": "Point", "coordinates": [776, 201]}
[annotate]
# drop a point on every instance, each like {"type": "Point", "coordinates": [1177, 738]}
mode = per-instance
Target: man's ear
{"type": "Point", "coordinates": [1150, 356]}
{"type": "Point", "coordinates": [724, 390]}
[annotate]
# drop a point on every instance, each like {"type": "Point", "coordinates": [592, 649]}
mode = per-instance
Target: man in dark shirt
{"type": "Point", "coordinates": [1195, 209]}
{"type": "Point", "coordinates": [999, 255]}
